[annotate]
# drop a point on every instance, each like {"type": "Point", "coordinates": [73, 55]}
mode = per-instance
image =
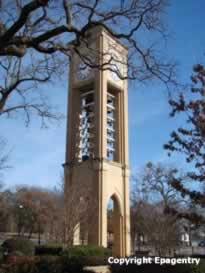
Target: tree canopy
{"type": "Point", "coordinates": [189, 139]}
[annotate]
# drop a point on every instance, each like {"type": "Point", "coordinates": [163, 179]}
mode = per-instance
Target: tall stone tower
{"type": "Point", "coordinates": [97, 137]}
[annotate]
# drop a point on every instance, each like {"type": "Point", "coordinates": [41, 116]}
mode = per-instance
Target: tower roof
{"type": "Point", "coordinates": [97, 29]}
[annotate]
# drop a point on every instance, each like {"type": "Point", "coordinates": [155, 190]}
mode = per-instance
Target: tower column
{"type": "Point", "coordinates": [96, 167]}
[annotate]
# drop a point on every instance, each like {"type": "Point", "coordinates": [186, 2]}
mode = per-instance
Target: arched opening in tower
{"type": "Point", "coordinates": [114, 226]}
{"type": "Point", "coordinates": [110, 233]}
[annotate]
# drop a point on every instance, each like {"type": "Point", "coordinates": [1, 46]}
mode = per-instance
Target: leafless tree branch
{"type": "Point", "coordinates": [41, 30]}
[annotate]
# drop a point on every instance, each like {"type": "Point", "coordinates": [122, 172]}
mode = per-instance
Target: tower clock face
{"type": "Point", "coordinates": [83, 71]}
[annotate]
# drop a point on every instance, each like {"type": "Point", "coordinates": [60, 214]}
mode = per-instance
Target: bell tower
{"type": "Point", "coordinates": [97, 137]}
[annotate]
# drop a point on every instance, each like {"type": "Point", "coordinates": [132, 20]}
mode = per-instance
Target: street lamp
{"type": "Point", "coordinates": [20, 222]}
{"type": "Point", "coordinates": [38, 202]}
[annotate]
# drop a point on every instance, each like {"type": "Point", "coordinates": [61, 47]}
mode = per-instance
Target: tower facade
{"type": "Point", "coordinates": [97, 140]}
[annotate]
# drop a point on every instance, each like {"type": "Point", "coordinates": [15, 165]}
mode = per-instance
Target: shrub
{"type": "Point", "coordinates": [72, 264]}
{"type": "Point", "coordinates": [23, 245]}
{"type": "Point", "coordinates": [1, 254]}
{"type": "Point", "coordinates": [48, 250]}
{"type": "Point", "coordinates": [19, 268]}
{"type": "Point", "coordinates": [47, 265]}
{"type": "Point", "coordinates": [94, 260]}
{"type": "Point", "coordinates": [17, 253]}
{"type": "Point", "coordinates": [88, 251]}
{"type": "Point", "coordinates": [200, 268]}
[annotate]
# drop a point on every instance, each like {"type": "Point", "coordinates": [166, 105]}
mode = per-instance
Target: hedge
{"type": "Point", "coordinates": [45, 264]}
{"type": "Point", "coordinates": [86, 251]}
{"type": "Point", "coordinates": [48, 250]}
{"type": "Point", "coordinates": [1, 254]}
{"type": "Point", "coordinates": [21, 245]}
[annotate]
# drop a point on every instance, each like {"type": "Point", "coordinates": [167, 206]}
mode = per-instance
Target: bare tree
{"type": "Point", "coordinates": [152, 198]}
{"type": "Point", "coordinates": [4, 154]}
{"type": "Point", "coordinates": [152, 229]}
{"type": "Point", "coordinates": [7, 223]}
{"type": "Point", "coordinates": [80, 211]}
{"type": "Point", "coordinates": [154, 183]}
{"type": "Point", "coordinates": [32, 209]}
{"type": "Point", "coordinates": [35, 37]}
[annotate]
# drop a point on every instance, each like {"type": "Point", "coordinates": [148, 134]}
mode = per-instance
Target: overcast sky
{"type": "Point", "coordinates": [37, 154]}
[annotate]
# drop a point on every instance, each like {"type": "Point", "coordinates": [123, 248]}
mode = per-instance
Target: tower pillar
{"type": "Point", "coordinates": [96, 168]}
